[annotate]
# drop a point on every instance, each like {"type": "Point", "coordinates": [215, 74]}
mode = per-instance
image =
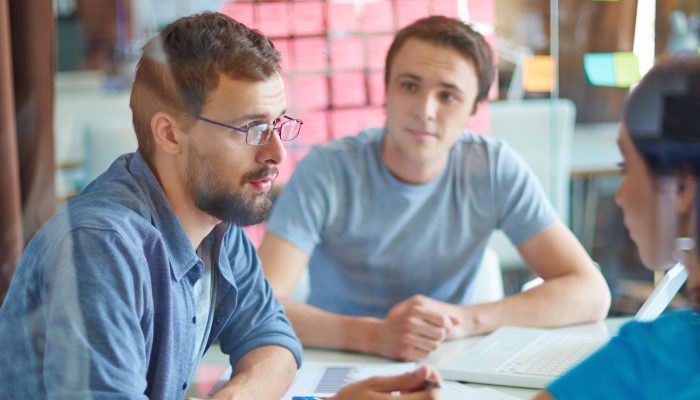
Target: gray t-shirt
{"type": "Point", "coordinates": [375, 241]}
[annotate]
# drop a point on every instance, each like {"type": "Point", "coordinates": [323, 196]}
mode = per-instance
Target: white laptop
{"type": "Point", "coordinates": [533, 357]}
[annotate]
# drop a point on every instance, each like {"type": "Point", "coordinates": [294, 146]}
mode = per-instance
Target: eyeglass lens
{"type": "Point", "coordinates": [261, 134]}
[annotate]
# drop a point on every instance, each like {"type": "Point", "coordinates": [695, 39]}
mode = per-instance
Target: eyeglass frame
{"type": "Point", "coordinates": [246, 128]}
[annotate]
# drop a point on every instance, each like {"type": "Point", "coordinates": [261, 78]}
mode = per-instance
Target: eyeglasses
{"type": "Point", "coordinates": [259, 134]}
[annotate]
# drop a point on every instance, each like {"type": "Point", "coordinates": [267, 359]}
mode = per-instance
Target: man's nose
{"type": "Point", "coordinates": [273, 152]}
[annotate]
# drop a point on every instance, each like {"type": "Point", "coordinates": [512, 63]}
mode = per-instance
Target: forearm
{"type": "Point", "coordinates": [323, 329]}
{"type": "Point", "coordinates": [251, 378]}
{"type": "Point", "coordinates": [564, 300]}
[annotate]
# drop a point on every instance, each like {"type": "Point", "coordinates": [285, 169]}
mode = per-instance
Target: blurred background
{"type": "Point", "coordinates": [564, 70]}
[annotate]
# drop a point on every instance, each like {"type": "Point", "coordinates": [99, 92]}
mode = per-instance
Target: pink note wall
{"type": "Point", "coordinates": [333, 55]}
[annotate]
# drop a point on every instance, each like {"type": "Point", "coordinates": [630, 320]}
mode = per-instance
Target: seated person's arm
{"type": "Point", "coordinates": [573, 291]}
{"type": "Point", "coordinates": [264, 373]}
{"type": "Point", "coordinates": [258, 336]}
{"type": "Point", "coordinates": [411, 330]}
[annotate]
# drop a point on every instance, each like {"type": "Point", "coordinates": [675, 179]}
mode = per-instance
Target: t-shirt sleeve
{"type": "Point", "coordinates": [523, 209]}
{"type": "Point", "coordinates": [259, 318]}
{"type": "Point", "coordinates": [302, 209]}
{"type": "Point", "coordinates": [614, 372]}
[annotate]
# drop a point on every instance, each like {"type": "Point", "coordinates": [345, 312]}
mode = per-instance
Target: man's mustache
{"type": "Point", "coordinates": [261, 173]}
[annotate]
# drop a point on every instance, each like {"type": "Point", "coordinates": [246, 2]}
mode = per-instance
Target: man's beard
{"type": "Point", "coordinates": [225, 203]}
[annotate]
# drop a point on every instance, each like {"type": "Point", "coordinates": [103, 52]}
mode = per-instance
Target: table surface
{"type": "Point", "coordinates": [442, 355]}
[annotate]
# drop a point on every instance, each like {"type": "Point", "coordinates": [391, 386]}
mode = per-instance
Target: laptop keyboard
{"type": "Point", "coordinates": [553, 355]}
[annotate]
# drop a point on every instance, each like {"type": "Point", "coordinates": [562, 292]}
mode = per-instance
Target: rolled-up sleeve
{"type": "Point", "coordinates": [258, 319]}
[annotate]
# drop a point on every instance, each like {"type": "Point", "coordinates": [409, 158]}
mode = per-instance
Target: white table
{"type": "Point", "coordinates": [451, 349]}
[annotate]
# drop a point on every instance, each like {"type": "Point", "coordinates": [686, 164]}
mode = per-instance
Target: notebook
{"type": "Point", "coordinates": [533, 357]}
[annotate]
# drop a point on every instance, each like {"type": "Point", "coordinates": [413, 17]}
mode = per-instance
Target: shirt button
{"type": "Point", "coordinates": [194, 319]}
{"type": "Point", "coordinates": [184, 386]}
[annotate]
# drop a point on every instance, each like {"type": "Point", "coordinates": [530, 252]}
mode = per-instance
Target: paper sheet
{"type": "Point", "coordinates": [458, 391]}
{"type": "Point", "coordinates": [320, 379]}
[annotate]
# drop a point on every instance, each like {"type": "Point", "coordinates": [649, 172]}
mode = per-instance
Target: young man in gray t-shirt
{"type": "Point", "coordinates": [393, 223]}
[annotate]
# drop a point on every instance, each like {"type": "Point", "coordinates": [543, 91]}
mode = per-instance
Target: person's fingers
{"type": "Point", "coordinates": [419, 326]}
{"type": "Point", "coordinates": [405, 382]}
{"type": "Point", "coordinates": [433, 374]}
{"type": "Point", "coordinates": [432, 317]}
{"type": "Point", "coordinates": [421, 342]}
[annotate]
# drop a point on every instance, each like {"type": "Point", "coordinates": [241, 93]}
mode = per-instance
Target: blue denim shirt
{"type": "Point", "coordinates": [101, 305]}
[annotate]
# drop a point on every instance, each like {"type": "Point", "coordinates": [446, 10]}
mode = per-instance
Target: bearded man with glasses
{"type": "Point", "coordinates": [120, 294]}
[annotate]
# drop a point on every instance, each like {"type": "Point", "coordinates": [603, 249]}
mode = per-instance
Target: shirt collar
{"type": "Point", "coordinates": [181, 254]}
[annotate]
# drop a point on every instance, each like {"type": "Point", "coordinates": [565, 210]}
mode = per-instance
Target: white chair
{"type": "Point", "coordinates": [541, 132]}
{"type": "Point", "coordinates": [105, 140]}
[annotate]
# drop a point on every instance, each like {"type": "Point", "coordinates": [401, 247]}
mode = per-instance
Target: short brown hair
{"type": "Point", "coordinates": [181, 65]}
{"type": "Point", "coordinates": [452, 33]}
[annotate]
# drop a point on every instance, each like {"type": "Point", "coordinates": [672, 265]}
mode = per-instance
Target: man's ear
{"type": "Point", "coordinates": [165, 137]}
{"type": "Point", "coordinates": [687, 191]}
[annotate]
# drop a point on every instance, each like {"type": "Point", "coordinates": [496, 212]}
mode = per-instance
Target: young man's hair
{"type": "Point", "coordinates": [181, 65]}
{"type": "Point", "coordinates": [452, 33]}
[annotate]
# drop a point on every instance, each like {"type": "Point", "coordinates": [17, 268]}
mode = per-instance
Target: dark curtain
{"type": "Point", "coordinates": [27, 169]}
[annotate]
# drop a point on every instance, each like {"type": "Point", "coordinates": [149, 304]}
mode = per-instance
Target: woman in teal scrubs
{"type": "Point", "coordinates": [660, 142]}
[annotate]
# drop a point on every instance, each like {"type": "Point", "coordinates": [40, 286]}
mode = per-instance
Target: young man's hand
{"type": "Point", "coordinates": [414, 328]}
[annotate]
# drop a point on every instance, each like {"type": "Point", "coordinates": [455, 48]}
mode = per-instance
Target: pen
{"type": "Point", "coordinates": [429, 384]}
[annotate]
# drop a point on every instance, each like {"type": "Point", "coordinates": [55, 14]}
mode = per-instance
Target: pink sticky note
{"type": "Point", "coordinates": [447, 8]}
{"type": "Point", "coordinates": [480, 122]}
{"type": "Point", "coordinates": [377, 17]}
{"type": "Point", "coordinates": [483, 11]}
{"type": "Point", "coordinates": [288, 91]}
{"type": "Point", "coordinates": [310, 92]}
{"type": "Point", "coordinates": [272, 19]}
{"type": "Point", "coordinates": [308, 18]}
{"type": "Point", "coordinates": [309, 54]}
{"type": "Point", "coordinates": [241, 12]}
{"type": "Point", "coordinates": [377, 47]}
{"type": "Point", "coordinates": [315, 128]}
{"type": "Point", "coordinates": [375, 85]}
{"type": "Point", "coordinates": [282, 45]}
{"type": "Point", "coordinates": [348, 89]}
{"type": "Point", "coordinates": [408, 11]}
{"type": "Point", "coordinates": [345, 123]}
{"type": "Point", "coordinates": [371, 117]}
{"type": "Point", "coordinates": [342, 17]}
{"type": "Point", "coordinates": [347, 53]}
